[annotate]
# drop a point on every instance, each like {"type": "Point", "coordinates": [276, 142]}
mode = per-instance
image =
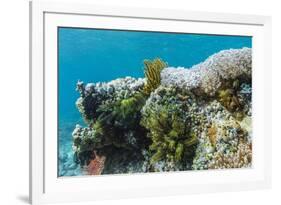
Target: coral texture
{"type": "Point", "coordinates": [112, 112]}
{"type": "Point", "coordinates": [207, 77]}
{"type": "Point", "coordinates": [223, 143]}
{"type": "Point", "coordinates": [173, 119]}
{"type": "Point", "coordinates": [167, 115]}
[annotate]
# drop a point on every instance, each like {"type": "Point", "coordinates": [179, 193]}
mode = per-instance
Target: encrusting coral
{"type": "Point", "coordinates": [209, 76]}
{"type": "Point", "coordinates": [229, 146]}
{"type": "Point", "coordinates": [173, 119]}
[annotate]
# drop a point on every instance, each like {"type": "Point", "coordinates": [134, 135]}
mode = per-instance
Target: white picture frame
{"type": "Point", "coordinates": [46, 187]}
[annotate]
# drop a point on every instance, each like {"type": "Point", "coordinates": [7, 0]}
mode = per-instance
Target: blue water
{"type": "Point", "coordinates": [93, 55]}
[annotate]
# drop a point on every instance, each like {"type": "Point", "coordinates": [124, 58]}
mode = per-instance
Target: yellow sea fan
{"type": "Point", "coordinates": [152, 72]}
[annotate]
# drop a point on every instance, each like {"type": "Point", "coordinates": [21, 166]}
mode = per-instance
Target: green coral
{"type": "Point", "coordinates": [129, 108]}
{"type": "Point", "coordinates": [152, 73]}
{"type": "Point", "coordinates": [122, 113]}
{"type": "Point", "coordinates": [117, 123]}
{"type": "Point", "coordinates": [169, 124]}
{"type": "Point", "coordinates": [112, 114]}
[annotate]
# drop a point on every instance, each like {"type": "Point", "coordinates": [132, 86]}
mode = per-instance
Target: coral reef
{"type": "Point", "coordinates": [112, 112]}
{"type": "Point", "coordinates": [93, 95]}
{"type": "Point", "coordinates": [174, 119]}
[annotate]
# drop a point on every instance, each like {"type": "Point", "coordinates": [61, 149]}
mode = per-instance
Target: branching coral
{"type": "Point", "coordinates": [88, 101]}
{"type": "Point", "coordinates": [84, 139]}
{"type": "Point", "coordinates": [152, 74]}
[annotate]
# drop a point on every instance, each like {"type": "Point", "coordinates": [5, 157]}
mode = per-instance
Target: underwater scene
{"type": "Point", "coordinates": [142, 101]}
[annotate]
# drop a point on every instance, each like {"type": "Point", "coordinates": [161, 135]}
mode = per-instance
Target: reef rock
{"type": "Point", "coordinates": [174, 119]}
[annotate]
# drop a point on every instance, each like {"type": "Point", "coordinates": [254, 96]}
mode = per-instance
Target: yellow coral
{"type": "Point", "coordinates": [152, 74]}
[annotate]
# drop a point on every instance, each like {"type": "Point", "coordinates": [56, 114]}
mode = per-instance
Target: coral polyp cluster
{"type": "Point", "coordinates": [208, 77]}
{"type": "Point", "coordinates": [223, 142]}
{"type": "Point", "coordinates": [173, 119]}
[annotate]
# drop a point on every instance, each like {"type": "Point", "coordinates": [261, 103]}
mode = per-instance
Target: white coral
{"type": "Point", "coordinates": [208, 76]}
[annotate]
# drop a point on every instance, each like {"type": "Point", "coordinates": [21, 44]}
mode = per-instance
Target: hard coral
{"type": "Point", "coordinates": [92, 96]}
{"type": "Point", "coordinates": [207, 77]}
{"type": "Point", "coordinates": [224, 143]}
{"type": "Point", "coordinates": [241, 158]}
{"type": "Point", "coordinates": [112, 112]}
{"type": "Point", "coordinates": [174, 119]}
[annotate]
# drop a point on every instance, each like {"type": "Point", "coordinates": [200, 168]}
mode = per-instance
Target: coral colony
{"type": "Point", "coordinates": [173, 119]}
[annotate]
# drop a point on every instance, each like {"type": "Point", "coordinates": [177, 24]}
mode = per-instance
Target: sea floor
{"type": "Point", "coordinates": [67, 166]}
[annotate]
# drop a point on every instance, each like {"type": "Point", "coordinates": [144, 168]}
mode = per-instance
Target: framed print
{"type": "Point", "coordinates": [129, 102]}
